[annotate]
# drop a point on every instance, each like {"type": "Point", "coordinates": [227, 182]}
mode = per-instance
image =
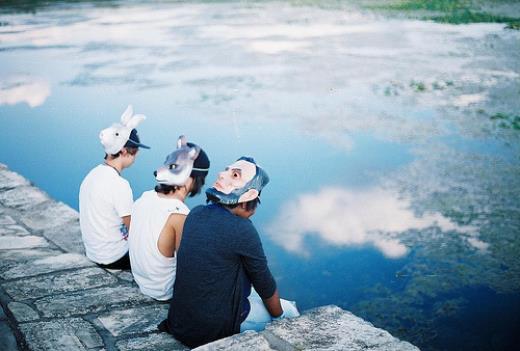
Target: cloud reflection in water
{"type": "Point", "coordinates": [345, 217]}
{"type": "Point", "coordinates": [24, 89]}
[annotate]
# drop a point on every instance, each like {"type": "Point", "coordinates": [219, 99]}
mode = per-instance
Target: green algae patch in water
{"type": "Point", "coordinates": [506, 121]}
{"type": "Point", "coordinates": [457, 11]}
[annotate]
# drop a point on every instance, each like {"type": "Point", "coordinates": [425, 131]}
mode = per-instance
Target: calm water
{"type": "Point", "coordinates": [392, 145]}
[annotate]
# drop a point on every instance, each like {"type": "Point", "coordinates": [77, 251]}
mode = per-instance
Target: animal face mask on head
{"type": "Point", "coordinates": [178, 165]}
{"type": "Point", "coordinates": [115, 137]}
{"type": "Point", "coordinates": [241, 181]}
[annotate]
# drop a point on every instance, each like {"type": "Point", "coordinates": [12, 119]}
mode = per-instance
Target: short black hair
{"type": "Point", "coordinates": [196, 187]}
{"type": "Point", "coordinates": [130, 150]}
{"type": "Point", "coordinates": [198, 183]}
{"type": "Point", "coordinates": [166, 189]}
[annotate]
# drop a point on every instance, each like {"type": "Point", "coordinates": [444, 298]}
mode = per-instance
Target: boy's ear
{"type": "Point", "coordinates": [249, 195]}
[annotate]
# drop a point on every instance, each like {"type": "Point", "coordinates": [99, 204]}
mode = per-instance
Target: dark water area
{"type": "Point", "coordinates": [392, 144]}
{"type": "Point", "coordinates": [482, 305]}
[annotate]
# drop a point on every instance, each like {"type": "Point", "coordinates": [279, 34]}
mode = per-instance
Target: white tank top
{"type": "Point", "coordinates": [153, 272]}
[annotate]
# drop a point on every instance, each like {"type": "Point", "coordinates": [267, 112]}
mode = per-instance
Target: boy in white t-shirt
{"type": "Point", "coordinates": [105, 198]}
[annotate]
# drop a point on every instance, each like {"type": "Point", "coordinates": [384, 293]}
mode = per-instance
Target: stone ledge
{"type": "Point", "coordinates": [57, 299]}
{"type": "Point", "coordinates": [324, 328]}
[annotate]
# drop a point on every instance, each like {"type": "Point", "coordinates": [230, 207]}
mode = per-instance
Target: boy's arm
{"type": "Point", "coordinates": [273, 305]}
{"type": "Point", "coordinates": [126, 221]}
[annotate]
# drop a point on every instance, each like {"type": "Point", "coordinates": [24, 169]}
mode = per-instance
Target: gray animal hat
{"type": "Point", "coordinates": [178, 165]}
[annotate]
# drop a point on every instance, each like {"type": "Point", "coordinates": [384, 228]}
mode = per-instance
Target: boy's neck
{"type": "Point", "coordinates": [115, 164]}
{"type": "Point", "coordinates": [180, 194]}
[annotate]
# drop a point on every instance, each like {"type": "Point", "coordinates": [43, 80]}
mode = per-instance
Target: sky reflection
{"type": "Point", "coordinates": [27, 90]}
{"type": "Point", "coordinates": [344, 217]}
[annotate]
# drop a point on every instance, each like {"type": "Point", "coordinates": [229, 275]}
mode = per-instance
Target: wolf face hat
{"type": "Point", "coordinates": [115, 137]}
{"type": "Point", "coordinates": [178, 165]}
{"type": "Point", "coordinates": [240, 182]}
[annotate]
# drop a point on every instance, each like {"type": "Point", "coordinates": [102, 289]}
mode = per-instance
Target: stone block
{"type": "Point", "coordinates": [10, 180]}
{"type": "Point", "coordinates": [49, 215]}
{"type": "Point", "coordinates": [331, 328]}
{"type": "Point", "coordinates": [66, 236]}
{"type": "Point", "coordinates": [13, 230]}
{"type": "Point", "coordinates": [134, 320]}
{"type": "Point", "coordinates": [90, 301]}
{"type": "Point", "coordinates": [54, 284]}
{"type": "Point", "coordinates": [66, 335]}
{"type": "Point", "coordinates": [5, 219]}
{"type": "Point", "coordinates": [47, 264]}
{"type": "Point", "coordinates": [10, 242]}
{"type": "Point", "coordinates": [23, 198]}
{"type": "Point", "coordinates": [249, 340]}
{"type": "Point", "coordinates": [21, 260]}
{"type": "Point", "coordinates": [152, 342]}
{"type": "Point", "coordinates": [22, 312]}
{"type": "Point", "coordinates": [124, 275]}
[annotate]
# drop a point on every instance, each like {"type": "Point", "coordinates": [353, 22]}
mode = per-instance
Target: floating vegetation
{"type": "Point", "coordinates": [451, 11]}
{"type": "Point", "coordinates": [468, 16]}
{"type": "Point", "coordinates": [418, 86]}
{"type": "Point", "coordinates": [514, 25]}
{"type": "Point", "coordinates": [506, 121]}
{"type": "Point", "coordinates": [394, 88]}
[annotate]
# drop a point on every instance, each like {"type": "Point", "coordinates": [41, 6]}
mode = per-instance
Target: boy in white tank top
{"type": "Point", "coordinates": [158, 219]}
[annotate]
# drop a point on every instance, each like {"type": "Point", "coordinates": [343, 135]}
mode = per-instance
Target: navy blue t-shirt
{"type": "Point", "coordinates": [219, 255]}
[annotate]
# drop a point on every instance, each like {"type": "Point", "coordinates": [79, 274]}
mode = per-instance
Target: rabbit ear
{"type": "Point", "coordinates": [135, 120]}
{"type": "Point", "coordinates": [125, 117]}
{"type": "Point", "coordinates": [182, 141]}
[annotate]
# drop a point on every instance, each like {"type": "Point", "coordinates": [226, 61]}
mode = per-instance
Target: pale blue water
{"type": "Point", "coordinates": [396, 203]}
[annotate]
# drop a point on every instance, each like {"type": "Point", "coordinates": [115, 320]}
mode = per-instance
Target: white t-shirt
{"type": "Point", "coordinates": [153, 272]}
{"type": "Point", "coordinates": [104, 197]}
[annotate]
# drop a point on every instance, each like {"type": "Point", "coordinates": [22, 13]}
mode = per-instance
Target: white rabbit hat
{"type": "Point", "coordinates": [117, 135]}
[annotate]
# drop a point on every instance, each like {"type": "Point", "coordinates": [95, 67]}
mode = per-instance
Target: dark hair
{"type": "Point", "coordinates": [166, 189]}
{"type": "Point", "coordinates": [131, 150]}
{"type": "Point", "coordinates": [196, 186]}
{"type": "Point", "coordinates": [250, 205]}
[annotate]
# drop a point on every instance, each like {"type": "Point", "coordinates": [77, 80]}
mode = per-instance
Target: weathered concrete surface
{"type": "Point", "coordinates": [49, 261]}
{"type": "Point", "coordinates": [48, 215]}
{"type": "Point", "coordinates": [134, 320]}
{"type": "Point", "coordinates": [331, 328]}
{"type": "Point", "coordinates": [23, 198]}
{"type": "Point", "coordinates": [90, 301]}
{"type": "Point", "coordinates": [22, 312]}
{"type": "Point", "coordinates": [67, 334]}
{"type": "Point", "coordinates": [248, 340]}
{"type": "Point", "coordinates": [325, 328]}
{"type": "Point", "coordinates": [67, 237]}
{"type": "Point", "coordinates": [152, 342]}
{"type": "Point", "coordinates": [54, 284]}
{"type": "Point", "coordinates": [9, 242]}
{"type": "Point", "coordinates": [54, 298]}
